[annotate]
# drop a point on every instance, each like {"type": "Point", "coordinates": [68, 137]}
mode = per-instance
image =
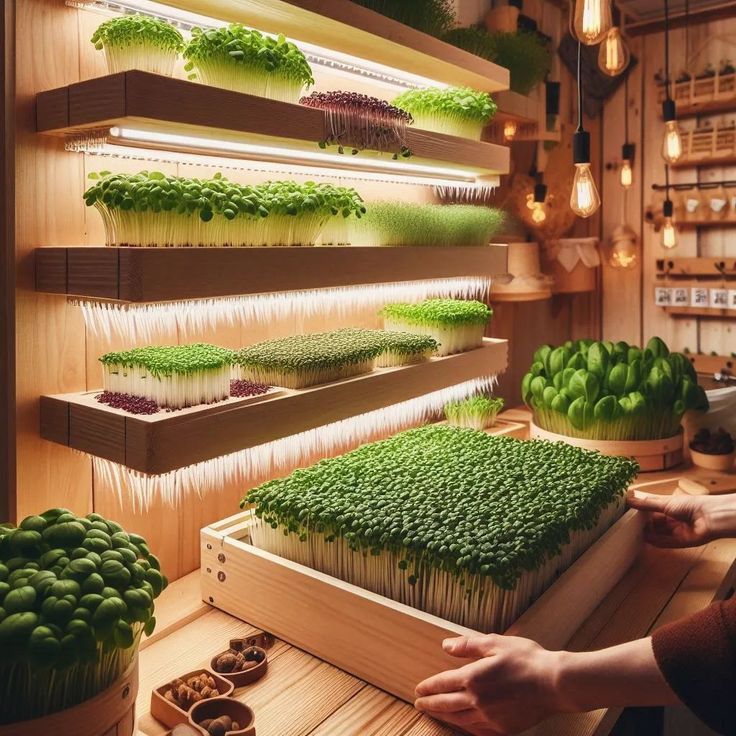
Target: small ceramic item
{"type": "Point", "coordinates": [722, 463]}
{"type": "Point", "coordinates": [219, 716]}
{"type": "Point", "coordinates": [713, 450]}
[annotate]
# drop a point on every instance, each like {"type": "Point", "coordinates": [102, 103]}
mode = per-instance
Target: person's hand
{"type": "Point", "coordinates": [511, 688]}
{"type": "Point", "coordinates": [683, 520]}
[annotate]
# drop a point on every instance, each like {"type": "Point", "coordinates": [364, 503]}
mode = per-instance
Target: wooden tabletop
{"type": "Point", "coordinates": [303, 696]}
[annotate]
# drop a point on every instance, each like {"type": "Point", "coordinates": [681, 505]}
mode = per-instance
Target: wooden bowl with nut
{"type": "Point", "coordinates": [223, 717]}
{"type": "Point", "coordinates": [172, 703]}
{"type": "Point", "coordinates": [241, 664]}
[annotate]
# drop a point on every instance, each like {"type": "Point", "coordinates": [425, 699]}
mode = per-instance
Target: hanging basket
{"type": "Point", "coordinates": [111, 713]}
{"type": "Point", "coordinates": [573, 264]}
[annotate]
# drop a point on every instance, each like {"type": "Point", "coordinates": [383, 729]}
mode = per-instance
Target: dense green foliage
{"type": "Point", "coordinates": [611, 391]}
{"type": "Point", "coordinates": [404, 343]}
{"type": "Point", "coordinates": [524, 54]}
{"type": "Point", "coordinates": [151, 208]}
{"type": "Point", "coordinates": [166, 360]}
{"type": "Point", "coordinates": [76, 594]}
{"type": "Point", "coordinates": [451, 499]}
{"type": "Point", "coordinates": [476, 412]}
{"type": "Point", "coordinates": [439, 312]}
{"type": "Point", "coordinates": [138, 30]}
{"type": "Point", "coordinates": [434, 17]}
{"type": "Point", "coordinates": [249, 61]}
{"type": "Point", "coordinates": [406, 223]}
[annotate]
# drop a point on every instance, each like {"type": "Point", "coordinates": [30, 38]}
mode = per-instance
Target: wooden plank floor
{"type": "Point", "coordinates": [303, 696]}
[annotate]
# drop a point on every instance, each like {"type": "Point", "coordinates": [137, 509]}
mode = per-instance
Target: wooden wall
{"type": "Point", "coordinates": [55, 352]}
{"type": "Point", "coordinates": [629, 312]}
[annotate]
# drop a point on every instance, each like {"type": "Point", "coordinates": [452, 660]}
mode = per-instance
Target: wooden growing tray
{"type": "Point", "coordinates": [388, 644]}
{"type": "Point", "coordinates": [170, 440]}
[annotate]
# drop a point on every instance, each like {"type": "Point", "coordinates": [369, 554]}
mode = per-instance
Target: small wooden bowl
{"type": "Point", "coordinates": [722, 463]}
{"type": "Point", "coordinates": [246, 677]}
{"type": "Point", "coordinates": [216, 707]}
{"type": "Point", "coordinates": [171, 714]}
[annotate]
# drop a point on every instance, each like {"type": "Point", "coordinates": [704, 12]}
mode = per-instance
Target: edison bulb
{"type": "Point", "coordinates": [627, 174]}
{"type": "Point", "coordinates": [584, 199]}
{"type": "Point", "coordinates": [624, 252]}
{"type": "Point", "coordinates": [613, 55]}
{"type": "Point", "coordinates": [672, 142]}
{"type": "Point", "coordinates": [669, 234]}
{"type": "Point", "coordinates": [538, 213]}
{"type": "Point", "coordinates": [592, 20]}
{"type": "Point", "coordinates": [509, 130]}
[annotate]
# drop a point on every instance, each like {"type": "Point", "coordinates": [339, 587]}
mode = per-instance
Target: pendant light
{"type": "Point", "coordinates": [591, 20]}
{"type": "Point", "coordinates": [672, 141]}
{"type": "Point", "coordinates": [539, 214]}
{"type": "Point", "coordinates": [509, 130]}
{"type": "Point", "coordinates": [613, 55]}
{"type": "Point", "coordinates": [668, 237]}
{"type": "Point", "coordinates": [584, 199]}
{"type": "Point", "coordinates": [626, 174]}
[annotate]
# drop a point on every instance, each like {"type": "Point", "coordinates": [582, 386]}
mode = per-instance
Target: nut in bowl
{"type": "Point", "coordinates": [713, 450]}
{"type": "Point", "coordinates": [172, 703]}
{"type": "Point", "coordinates": [241, 666]}
{"type": "Point", "coordinates": [223, 717]}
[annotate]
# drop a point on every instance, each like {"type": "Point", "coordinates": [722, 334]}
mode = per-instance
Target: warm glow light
{"type": "Point", "coordinates": [613, 56]}
{"type": "Point", "coordinates": [538, 213]}
{"type": "Point", "coordinates": [627, 174]}
{"type": "Point", "coordinates": [672, 142]}
{"type": "Point", "coordinates": [509, 130]}
{"type": "Point", "coordinates": [624, 251]}
{"type": "Point", "coordinates": [584, 199]}
{"type": "Point", "coordinates": [592, 20]}
{"type": "Point", "coordinates": [259, 152]}
{"type": "Point", "coordinates": [669, 234]}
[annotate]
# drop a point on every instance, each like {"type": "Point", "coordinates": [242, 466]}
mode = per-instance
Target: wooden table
{"type": "Point", "coordinates": [301, 695]}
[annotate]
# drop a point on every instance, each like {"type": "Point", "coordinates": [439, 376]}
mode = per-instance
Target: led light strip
{"type": "Point", "coordinates": [327, 58]}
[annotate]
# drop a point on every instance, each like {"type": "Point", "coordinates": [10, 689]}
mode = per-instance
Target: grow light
{"type": "Point", "coordinates": [256, 464]}
{"type": "Point", "coordinates": [276, 154]}
{"type": "Point", "coordinates": [147, 323]}
{"type": "Point", "coordinates": [336, 62]}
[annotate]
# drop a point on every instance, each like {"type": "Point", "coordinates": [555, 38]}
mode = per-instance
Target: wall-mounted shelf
{"type": "Point", "coordinates": [705, 96]}
{"type": "Point", "coordinates": [694, 267]}
{"type": "Point", "coordinates": [170, 440]}
{"type": "Point", "coordinates": [165, 274]}
{"type": "Point", "coordinates": [351, 29]}
{"type": "Point", "coordinates": [519, 296]}
{"type": "Point", "coordinates": [154, 111]}
{"type": "Point", "coordinates": [701, 312]}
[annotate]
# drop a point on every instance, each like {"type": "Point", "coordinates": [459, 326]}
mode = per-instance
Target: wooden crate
{"type": "Point", "coordinates": [388, 644]}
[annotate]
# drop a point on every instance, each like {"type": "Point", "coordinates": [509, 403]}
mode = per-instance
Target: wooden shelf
{"type": "Point", "coordinates": [156, 104]}
{"type": "Point", "coordinates": [163, 274]}
{"type": "Point", "coordinates": [351, 29]}
{"type": "Point", "coordinates": [726, 160]}
{"type": "Point", "coordinates": [700, 312]}
{"type": "Point", "coordinates": [701, 266]}
{"type": "Point", "coordinates": [170, 440]}
{"type": "Point", "coordinates": [519, 296]}
{"type": "Point", "coordinates": [712, 363]}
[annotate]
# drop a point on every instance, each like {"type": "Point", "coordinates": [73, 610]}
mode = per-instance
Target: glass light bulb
{"type": "Point", "coordinates": [672, 142]}
{"type": "Point", "coordinates": [624, 251]}
{"type": "Point", "coordinates": [669, 234]}
{"type": "Point", "coordinates": [584, 199]}
{"type": "Point", "coordinates": [592, 20]}
{"type": "Point", "coordinates": [509, 130]}
{"type": "Point", "coordinates": [538, 213]}
{"type": "Point", "coordinates": [613, 55]}
{"type": "Point", "coordinates": [530, 201]}
{"type": "Point", "coordinates": [627, 174]}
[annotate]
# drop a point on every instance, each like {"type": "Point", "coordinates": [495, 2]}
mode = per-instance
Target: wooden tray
{"type": "Point", "coordinates": [111, 713]}
{"type": "Point", "coordinates": [388, 644]}
{"type": "Point", "coordinates": [650, 454]}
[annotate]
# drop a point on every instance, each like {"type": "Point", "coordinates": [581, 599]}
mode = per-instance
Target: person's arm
{"type": "Point", "coordinates": [517, 683]}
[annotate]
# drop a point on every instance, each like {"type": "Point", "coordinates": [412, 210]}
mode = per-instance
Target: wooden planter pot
{"type": "Point", "coordinates": [581, 278]}
{"type": "Point", "coordinates": [111, 713]}
{"type": "Point", "coordinates": [650, 454]}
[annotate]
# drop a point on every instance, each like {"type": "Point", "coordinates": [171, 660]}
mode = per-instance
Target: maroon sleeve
{"type": "Point", "coordinates": [698, 659]}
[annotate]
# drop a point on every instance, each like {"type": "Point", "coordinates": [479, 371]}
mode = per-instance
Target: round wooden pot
{"type": "Point", "coordinates": [650, 454]}
{"type": "Point", "coordinates": [722, 463]}
{"type": "Point", "coordinates": [580, 279]}
{"type": "Point", "coordinates": [111, 713]}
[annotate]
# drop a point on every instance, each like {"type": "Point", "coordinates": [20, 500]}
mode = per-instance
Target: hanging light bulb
{"type": "Point", "coordinates": [509, 130]}
{"type": "Point", "coordinates": [584, 199]}
{"type": "Point", "coordinates": [627, 158]}
{"type": "Point", "coordinates": [591, 20]}
{"type": "Point", "coordinates": [613, 55]}
{"type": "Point", "coordinates": [624, 252]}
{"type": "Point", "coordinates": [669, 234]}
{"type": "Point", "coordinates": [539, 215]}
{"type": "Point", "coordinates": [672, 141]}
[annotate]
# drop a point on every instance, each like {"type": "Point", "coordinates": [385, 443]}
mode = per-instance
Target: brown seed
{"type": "Point", "coordinates": [206, 723]}
{"type": "Point", "coordinates": [225, 662]}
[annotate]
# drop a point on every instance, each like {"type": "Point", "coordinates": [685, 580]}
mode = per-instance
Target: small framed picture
{"type": "Point", "coordinates": [699, 297]}
{"type": "Point", "coordinates": [718, 298]}
{"type": "Point", "coordinates": [680, 296]}
{"type": "Point", "coordinates": [732, 298]}
{"type": "Point", "coordinates": [662, 296]}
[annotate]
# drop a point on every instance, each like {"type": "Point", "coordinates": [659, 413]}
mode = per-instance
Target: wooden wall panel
{"type": "Point", "coordinates": [50, 334]}
{"type": "Point", "coordinates": [706, 43]}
